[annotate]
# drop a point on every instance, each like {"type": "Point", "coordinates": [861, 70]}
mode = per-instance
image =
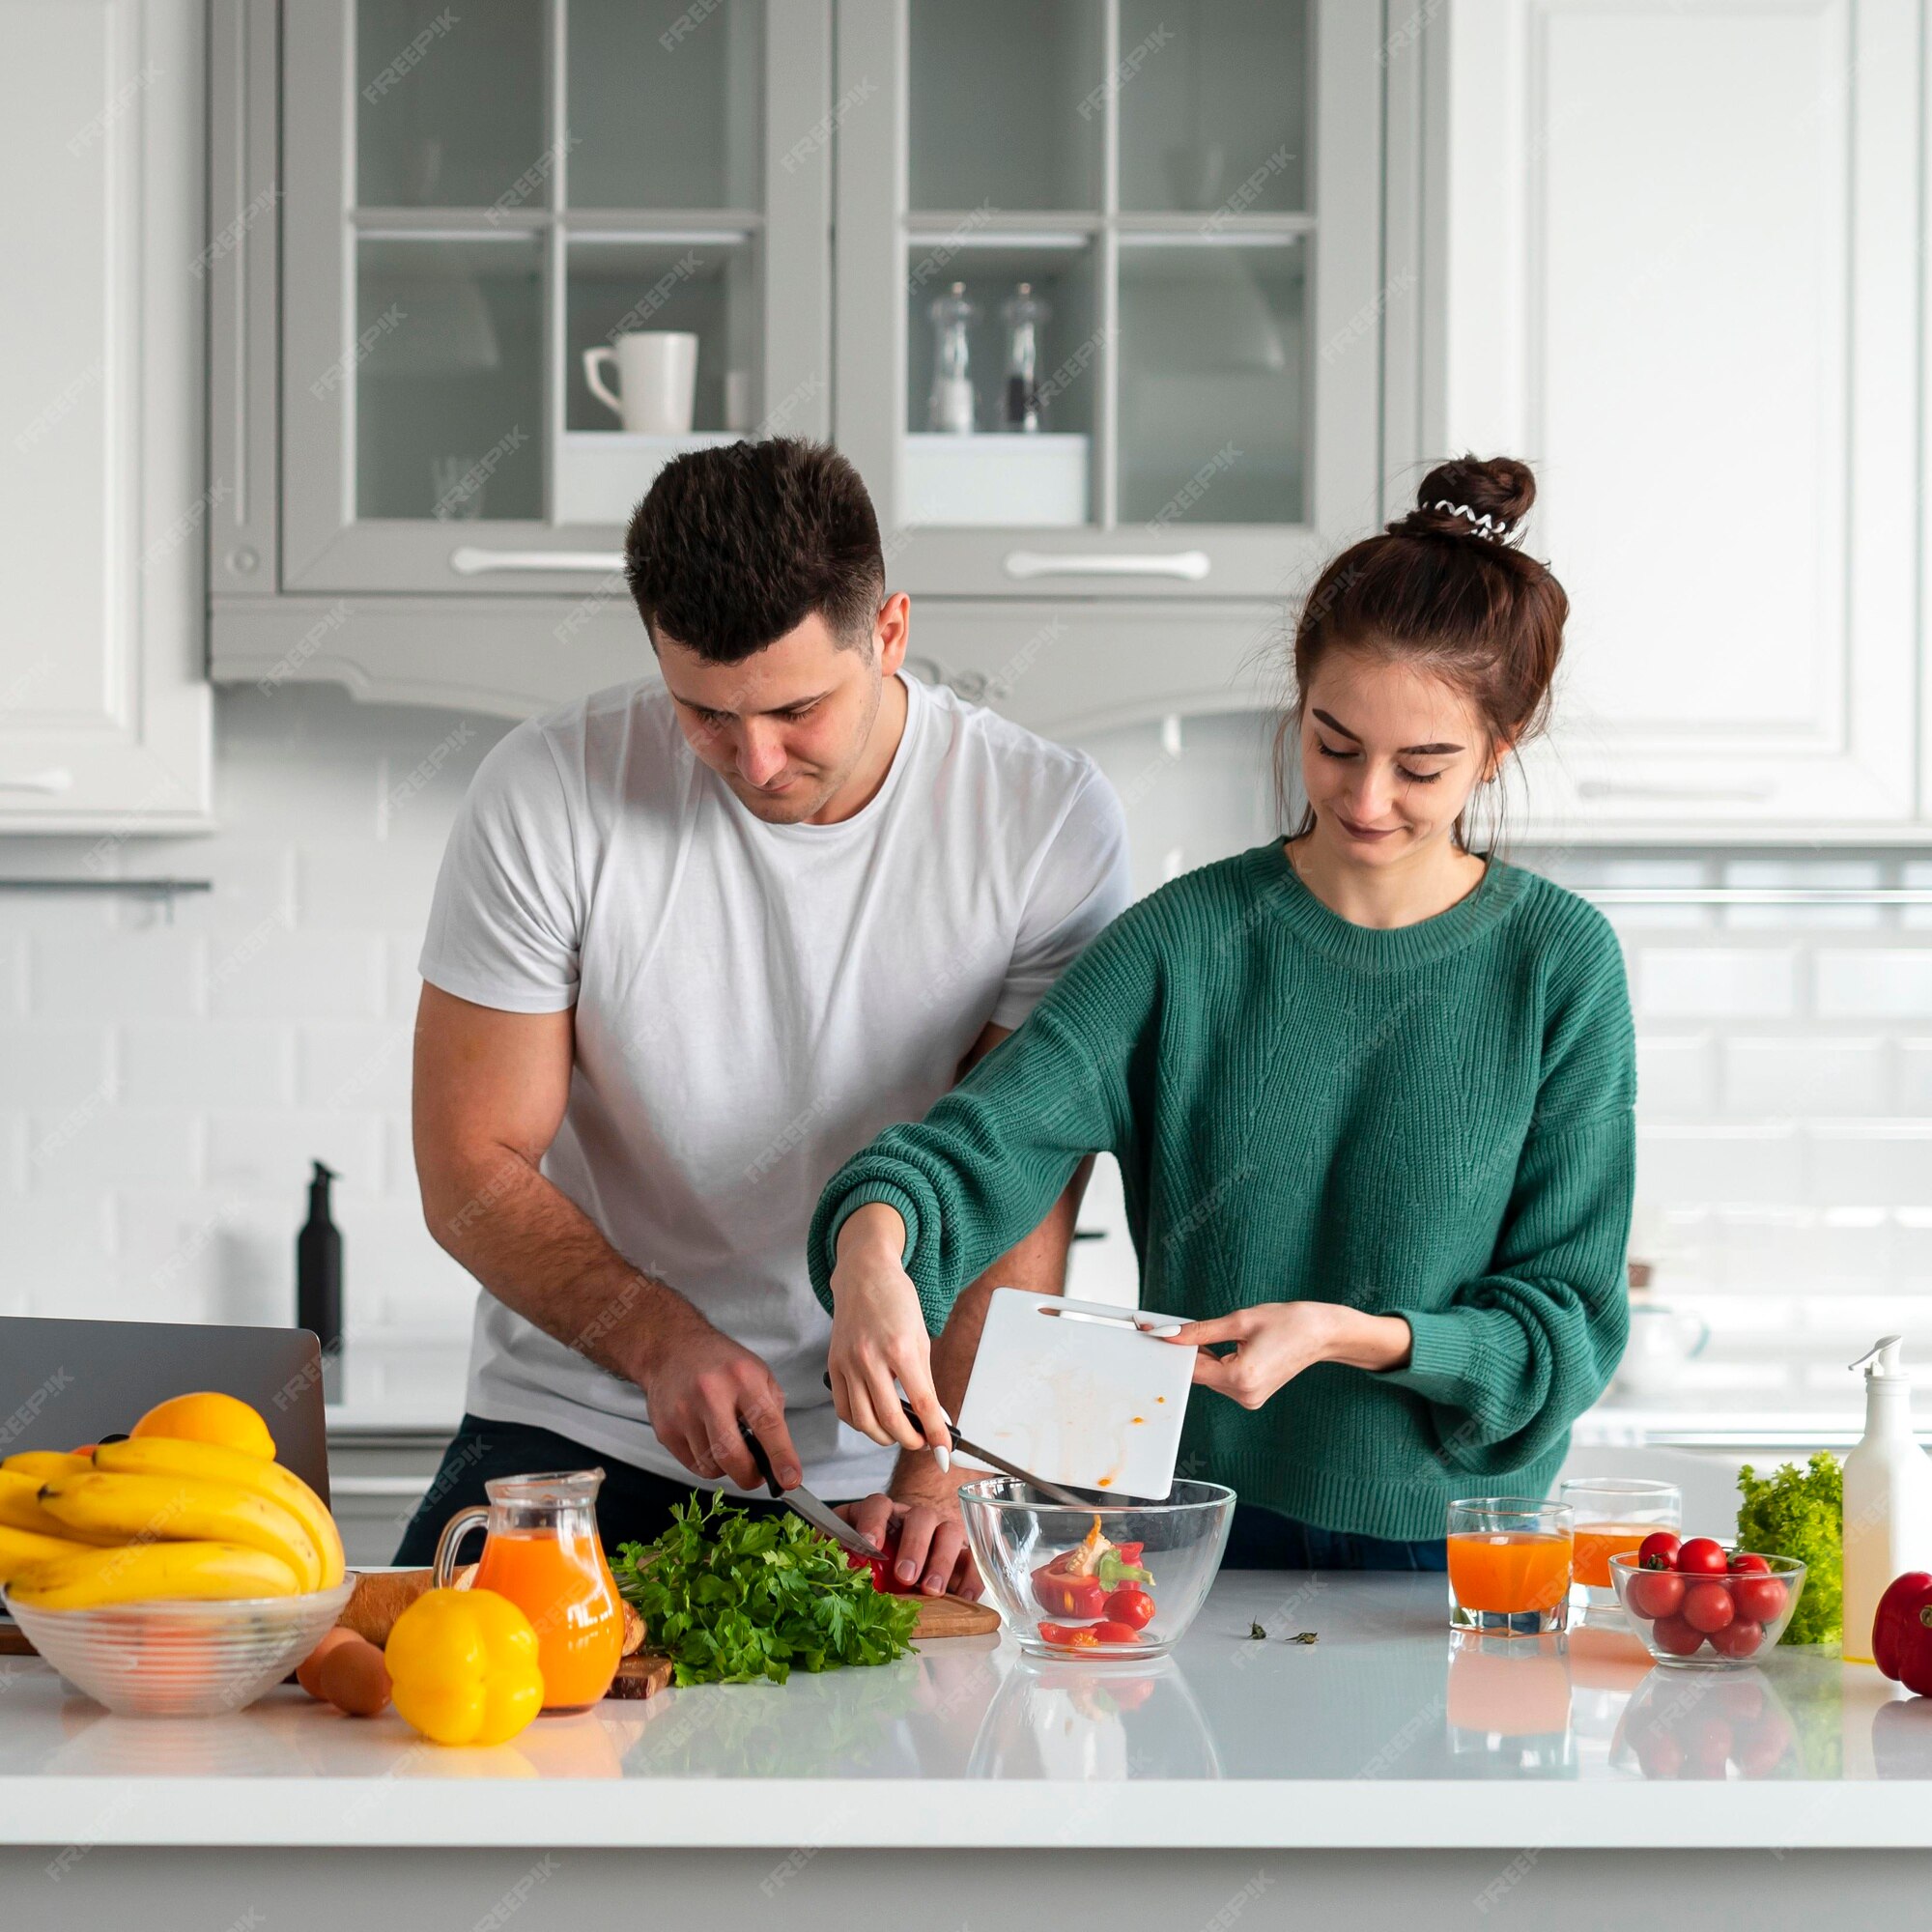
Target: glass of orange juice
{"type": "Point", "coordinates": [1615, 1513]}
{"type": "Point", "coordinates": [541, 1550]}
{"type": "Point", "coordinates": [1509, 1565]}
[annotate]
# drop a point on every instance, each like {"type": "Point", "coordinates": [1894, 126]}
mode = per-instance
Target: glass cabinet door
{"type": "Point", "coordinates": [533, 248]}
{"type": "Point", "coordinates": [1107, 275]}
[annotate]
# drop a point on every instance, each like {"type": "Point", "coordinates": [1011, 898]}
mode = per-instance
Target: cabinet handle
{"type": "Point", "coordinates": [57, 779]}
{"type": "Point", "coordinates": [469, 561]}
{"type": "Point", "coordinates": [1744, 794]}
{"type": "Point", "coordinates": [1192, 564]}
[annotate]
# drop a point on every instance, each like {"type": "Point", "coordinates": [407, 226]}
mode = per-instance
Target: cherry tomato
{"type": "Point", "coordinates": [1130, 1604]}
{"type": "Point", "coordinates": [1069, 1637]}
{"type": "Point", "coordinates": [1748, 1562]}
{"type": "Point", "coordinates": [1702, 1557]}
{"type": "Point", "coordinates": [1760, 1599]}
{"type": "Point", "coordinates": [1708, 1606]}
{"type": "Point", "coordinates": [1658, 1550]}
{"type": "Point", "coordinates": [1738, 1639]}
{"type": "Point", "coordinates": [1654, 1593]}
{"type": "Point", "coordinates": [1674, 1636]}
{"type": "Point", "coordinates": [1116, 1633]}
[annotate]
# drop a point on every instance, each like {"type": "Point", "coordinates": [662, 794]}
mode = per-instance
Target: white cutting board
{"type": "Point", "coordinates": [1074, 1392]}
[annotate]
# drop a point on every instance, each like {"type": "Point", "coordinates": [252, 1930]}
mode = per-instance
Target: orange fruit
{"type": "Point", "coordinates": [208, 1416]}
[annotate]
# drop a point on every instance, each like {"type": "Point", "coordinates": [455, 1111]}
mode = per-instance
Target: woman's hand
{"type": "Point", "coordinates": [1276, 1340]}
{"type": "Point", "coordinates": [879, 1334]}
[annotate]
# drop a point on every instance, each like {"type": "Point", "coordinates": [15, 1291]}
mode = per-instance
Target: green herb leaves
{"type": "Point", "coordinates": [733, 1599]}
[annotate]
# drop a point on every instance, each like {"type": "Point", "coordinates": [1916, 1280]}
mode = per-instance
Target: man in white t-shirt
{"type": "Point", "coordinates": [691, 947]}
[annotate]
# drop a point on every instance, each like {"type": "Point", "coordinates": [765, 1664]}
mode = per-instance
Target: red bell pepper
{"type": "Point", "coordinates": [1902, 1631]}
{"type": "Point", "coordinates": [1066, 1594]}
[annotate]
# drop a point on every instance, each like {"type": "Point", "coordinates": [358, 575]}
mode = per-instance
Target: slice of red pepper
{"type": "Point", "coordinates": [1902, 1631]}
{"type": "Point", "coordinates": [1065, 1595]}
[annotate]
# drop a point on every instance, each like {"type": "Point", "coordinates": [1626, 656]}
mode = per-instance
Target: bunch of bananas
{"type": "Point", "coordinates": [207, 1512]}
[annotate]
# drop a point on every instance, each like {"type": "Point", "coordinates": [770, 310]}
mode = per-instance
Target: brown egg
{"type": "Point", "coordinates": [308, 1672]}
{"type": "Point", "coordinates": [354, 1678]}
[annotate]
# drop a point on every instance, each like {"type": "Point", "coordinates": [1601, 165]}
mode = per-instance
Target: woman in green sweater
{"type": "Point", "coordinates": [1371, 1095]}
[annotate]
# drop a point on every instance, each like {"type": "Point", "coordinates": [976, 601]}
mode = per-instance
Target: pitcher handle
{"type": "Point", "coordinates": [1703, 1336]}
{"type": "Point", "coordinates": [453, 1532]}
{"type": "Point", "coordinates": [593, 377]}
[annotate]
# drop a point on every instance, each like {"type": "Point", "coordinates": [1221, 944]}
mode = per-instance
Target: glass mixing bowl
{"type": "Point", "coordinates": [1058, 1591]}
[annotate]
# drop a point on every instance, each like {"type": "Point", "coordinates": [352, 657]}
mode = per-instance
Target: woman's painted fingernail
{"type": "Point", "coordinates": [944, 1458]}
{"type": "Point", "coordinates": [1172, 1328]}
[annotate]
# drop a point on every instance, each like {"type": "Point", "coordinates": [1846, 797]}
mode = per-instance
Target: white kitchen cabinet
{"type": "Point", "coordinates": [105, 707]}
{"type": "Point", "coordinates": [437, 210]}
{"type": "Point", "coordinates": [1681, 253]}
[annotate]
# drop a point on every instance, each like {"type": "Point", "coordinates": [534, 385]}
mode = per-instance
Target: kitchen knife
{"type": "Point", "coordinates": [802, 1502]}
{"type": "Point", "coordinates": [1052, 1491]}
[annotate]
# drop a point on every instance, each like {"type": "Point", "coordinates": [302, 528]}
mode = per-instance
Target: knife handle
{"type": "Point", "coordinates": [760, 1457]}
{"type": "Point", "coordinates": [912, 1416]}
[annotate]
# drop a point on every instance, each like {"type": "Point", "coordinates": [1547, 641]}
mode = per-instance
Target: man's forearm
{"type": "Point", "coordinates": [539, 1254]}
{"type": "Point", "coordinates": [1038, 1264]}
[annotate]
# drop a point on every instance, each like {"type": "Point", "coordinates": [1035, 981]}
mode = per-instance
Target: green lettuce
{"type": "Point", "coordinates": [1801, 1513]}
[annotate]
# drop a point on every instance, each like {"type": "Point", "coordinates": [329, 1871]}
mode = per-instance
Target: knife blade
{"type": "Point", "coordinates": [1052, 1491]}
{"type": "Point", "coordinates": [803, 1503]}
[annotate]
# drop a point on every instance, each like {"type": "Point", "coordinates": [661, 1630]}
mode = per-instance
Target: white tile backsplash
{"type": "Point", "coordinates": [167, 1078]}
{"type": "Point", "coordinates": [1726, 983]}
{"type": "Point", "coordinates": [1861, 982]}
{"type": "Point", "coordinates": [205, 1064]}
{"type": "Point", "coordinates": [1801, 1077]}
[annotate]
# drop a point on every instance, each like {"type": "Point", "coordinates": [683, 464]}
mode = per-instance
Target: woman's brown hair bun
{"type": "Point", "coordinates": [1458, 497]}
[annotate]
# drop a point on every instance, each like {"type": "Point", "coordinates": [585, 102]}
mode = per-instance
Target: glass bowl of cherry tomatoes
{"type": "Point", "coordinates": [1700, 1602]}
{"type": "Point", "coordinates": [1112, 1583]}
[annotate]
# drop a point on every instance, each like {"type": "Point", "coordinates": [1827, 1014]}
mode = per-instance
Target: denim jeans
{"type": "Point", "coordinates": [1262, 1539]}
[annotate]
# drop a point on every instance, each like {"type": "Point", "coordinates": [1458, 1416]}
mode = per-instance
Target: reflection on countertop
{"type": "Point", "coordinates": [1388, 1730]}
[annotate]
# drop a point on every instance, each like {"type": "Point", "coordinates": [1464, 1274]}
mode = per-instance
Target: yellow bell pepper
{"type": "Point", "coordinates": [462, 1667]}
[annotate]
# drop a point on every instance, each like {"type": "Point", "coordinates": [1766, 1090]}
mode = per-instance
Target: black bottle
{"type": "Point", "coordinates": [319, 1273]}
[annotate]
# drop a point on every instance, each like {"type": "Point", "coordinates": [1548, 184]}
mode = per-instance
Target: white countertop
{"type": "Point", "coordinates": [1387, 1732]}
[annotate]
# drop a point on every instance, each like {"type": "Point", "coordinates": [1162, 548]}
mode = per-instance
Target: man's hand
{"type": "Point", "coordinates": [1276, 1340]}
{"type": "Point", "coordinates": [698, 1383]}
{"type": "Point", "coordinates": [878, 1335]}
{"type": "Point", "coordinates": [932, 1547]}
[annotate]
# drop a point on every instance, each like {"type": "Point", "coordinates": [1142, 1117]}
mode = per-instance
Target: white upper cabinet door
{"type": "Point", "coordinates": [1682, 279]}
{"type": "Point", "coordinates": [1110, 296]}
{"type": "Point", "coordinates": [104, 709]}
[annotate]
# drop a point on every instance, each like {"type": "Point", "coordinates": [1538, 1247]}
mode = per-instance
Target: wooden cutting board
{"type": "Point", "coordinates": [647, 1672]}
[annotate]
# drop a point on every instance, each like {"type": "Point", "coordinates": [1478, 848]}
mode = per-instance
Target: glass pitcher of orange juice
{"type": "Point", "coordinates": [541, 1550]}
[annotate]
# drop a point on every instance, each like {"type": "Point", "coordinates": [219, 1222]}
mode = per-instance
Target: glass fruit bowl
{"type": "Point", "coordinates": [1716, 1623]}
{"type": "Point", "coordinates": [1118, 1581]}
{"type": "Point", "coordinates": [178, 1658]}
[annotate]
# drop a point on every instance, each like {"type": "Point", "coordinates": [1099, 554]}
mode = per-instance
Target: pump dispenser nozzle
{"type": "Point", "coordinates": [1885, 1353]}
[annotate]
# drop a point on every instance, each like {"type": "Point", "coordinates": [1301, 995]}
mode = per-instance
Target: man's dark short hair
{"type": "Point", "coordinates": [734, 546]}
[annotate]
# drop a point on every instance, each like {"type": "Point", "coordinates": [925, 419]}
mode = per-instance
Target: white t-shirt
{"type": "Point", "coordinates": [753, 1002]}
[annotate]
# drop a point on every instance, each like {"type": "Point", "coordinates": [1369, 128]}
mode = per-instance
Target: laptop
{"type": "Point", "coordinates": [64, 1382]}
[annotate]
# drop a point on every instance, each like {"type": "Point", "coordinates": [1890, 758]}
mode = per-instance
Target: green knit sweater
{"type": "Point", "coordinates": [1433, 1121]}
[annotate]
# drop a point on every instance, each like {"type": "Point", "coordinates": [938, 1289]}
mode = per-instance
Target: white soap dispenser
{"type": "Point", "coordinates": [1888, 1498]}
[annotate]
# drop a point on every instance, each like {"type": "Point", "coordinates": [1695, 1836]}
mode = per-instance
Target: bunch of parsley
{"type": "Point", "coordinates": [733, 1599]}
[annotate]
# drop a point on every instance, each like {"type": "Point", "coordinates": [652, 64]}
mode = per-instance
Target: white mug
{"type": "Point", "coordinates": [1661, 1340]}
{"type": "Point", "coordinates": [657, 380]}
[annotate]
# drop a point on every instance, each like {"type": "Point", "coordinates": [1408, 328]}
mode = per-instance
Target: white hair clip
{"type": "Point", "coordinates": [1488, 526]}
